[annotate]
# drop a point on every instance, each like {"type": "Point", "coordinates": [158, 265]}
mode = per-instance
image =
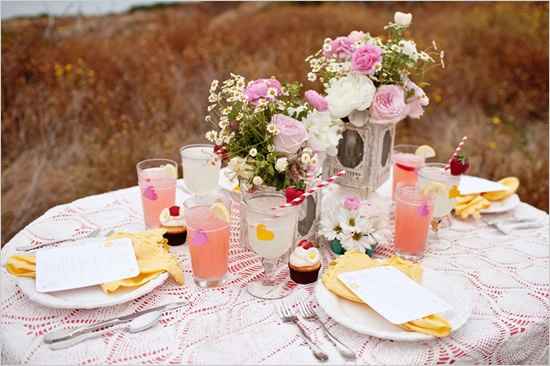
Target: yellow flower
{"type": "Point", "coordinates": [496, 120]}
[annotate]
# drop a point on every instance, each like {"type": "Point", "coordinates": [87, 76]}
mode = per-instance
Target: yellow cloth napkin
{"type": "Point", "coordinates": [351, 261]}
{"type": "Point", "coordinates": [152, 254]}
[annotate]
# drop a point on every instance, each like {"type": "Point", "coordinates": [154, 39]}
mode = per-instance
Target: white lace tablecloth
{"type": "Point", "coordinates": [507, 273]}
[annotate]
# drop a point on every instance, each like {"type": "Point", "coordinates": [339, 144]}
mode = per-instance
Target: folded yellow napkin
{"type": "Point", "coordinates": [351, 261]}
{"type": "Point", "coordinates": [152, 254]}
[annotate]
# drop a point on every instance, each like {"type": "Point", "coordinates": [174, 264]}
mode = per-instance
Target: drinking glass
{"type": "Point", "coordinates": [405, 165]}
{"type": "Point", "coordinates": [271, 234]}
{"type": "Point", "coordinates": [201, 168]}
{"type": "Point", "coordinates": [157, 184]}
{"type": "Point", "coordinates": [413, 214]}
{"type": "Point", "coordinates": [208, 238]}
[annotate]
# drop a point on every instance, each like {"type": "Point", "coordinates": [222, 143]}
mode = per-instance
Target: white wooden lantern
{"type": "Point", "coordinates": [364, 152]}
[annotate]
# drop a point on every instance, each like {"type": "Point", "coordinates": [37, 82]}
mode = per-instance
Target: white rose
{"type": "Point", "coordinates": [402, 19]}
{"type": "Point", "coordinates": [281, 164]}
{"type": "Point", "coordinates": [352, 92]}
{"type": "Point", "coordinates": [257, 180]}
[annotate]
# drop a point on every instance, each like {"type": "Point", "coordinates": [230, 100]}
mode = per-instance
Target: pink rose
{"type": "Point", "coordinates": [388, 105]}
{"type": "Point", "coordinates": [292, 134]}
{"type": "Point", "coordinates": [262, 88]}
{"type": "Point", "coordinates": [366, 59]}
{"type": "Point", "coordinates": [352, 203]}
{"type": "Point", "coordinates": [356, 36]}
{"type": "Point", "coordinates": [417, 100]}
{"type": "Point", "coordinates": [316, 100]}
{"type": "Point", "coordinates": [341, 47]}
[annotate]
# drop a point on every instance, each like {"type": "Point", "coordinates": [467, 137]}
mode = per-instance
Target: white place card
{"type": "Point", "coordinates": [470, 185]}
{"type": "Point", "coordinates": [89, 262]}
{"type": "Point", "coordinates": [392, 294]}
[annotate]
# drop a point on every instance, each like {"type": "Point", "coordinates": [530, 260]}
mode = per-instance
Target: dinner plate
{"type": "Point", "coordinates": [88, 297]}
{"type": "Point", "coordinates": [362, 319]}
{"type": "Point", "coordinates": [502, 206]}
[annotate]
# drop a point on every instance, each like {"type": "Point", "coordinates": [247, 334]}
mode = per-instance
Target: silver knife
{"type": "Point", "coordinates": [64, 334]}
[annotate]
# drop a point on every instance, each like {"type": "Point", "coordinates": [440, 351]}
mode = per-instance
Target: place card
{"type": "Point", "coordinates": [392, 294]}
{"type": "Point", "coordinates": [470, 185]}
{"type": "Point", "coordinates": [87, 263]}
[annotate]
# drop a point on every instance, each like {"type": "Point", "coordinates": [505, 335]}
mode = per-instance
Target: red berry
{"type": "Point", "coordinates": [306, 244]}
{"type": "Point", "coordinates": [174, 211]}
{"type": "Point", "coordinates": [459, 165]}
{"type": "Point", "coordinates": [291, 193]}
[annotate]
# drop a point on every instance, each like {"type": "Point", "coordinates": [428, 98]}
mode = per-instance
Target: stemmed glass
{"type": "Point", "coordinates": [271, 234]}
{"type": "Point", "coordinates": [437, 181]}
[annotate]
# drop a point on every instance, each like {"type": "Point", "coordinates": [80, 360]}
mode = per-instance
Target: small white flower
{"type": "Point", "coordinates": [402, 19]}
{"type": "Point", "coordinates": [330, 227]}
{"type": "Point", "coordinates": [223, 124]}
{"type": "Point", "coordinates": [272, 92]}
{"type": "Point", "coordinates": [218, 141]}
{"type": "Point", "coordinates": [211, 136]}
{"type": "Point", "coordinates": [409, 48]}
{"type": "Point", "coordinates": [208, 119]}
{"type": "Point", "coordinates": [212, 98]}
{"type": "Point", "coordinates": [306, 159]}
{"type": "Point", "coordinates": [211, 107]}
{"type": "Point", "coordinates": [257, 180]}
{"type": "Point", "coordinates": [356, 241]}
{"type": "Point", "coordinates": [281, 164]}
{"type": "Point", "coordinates": [214, 85]}
{"type": "Point", "coordinates": [239, 116]}
{"type": "Point", "coordinates": [311, 76]}
{"type": "Point", "coordinates": [226, 111]}
{"type": "Point", "coordinates": [253, 152]}
{"type": "Point", "coordinates": [270, 148]}
{"type": "Point", "coordinates": [272, 128]}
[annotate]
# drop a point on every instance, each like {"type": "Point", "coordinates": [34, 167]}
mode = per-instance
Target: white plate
{"type": "Point", "coordinates": [362, 319]}
{"type": "Point", "coordinates": [502, 206]}
{"type": "Point", "coordinates": [85, 298]}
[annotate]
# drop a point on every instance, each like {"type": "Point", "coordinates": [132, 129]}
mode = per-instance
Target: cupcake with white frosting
{"type": "Point", "coordinates": [305, 263]}
{"type": "Point", "coordinates": [171, 219]}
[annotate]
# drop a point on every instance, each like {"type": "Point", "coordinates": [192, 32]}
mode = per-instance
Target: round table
{"type": "Point", "coordinates": [508, 275]}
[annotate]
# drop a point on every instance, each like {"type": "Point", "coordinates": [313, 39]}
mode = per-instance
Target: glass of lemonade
{"type": "Point", "coordinates": [208, 222]}
{"type": "Point", "coordinates": [405, 165]}
{"type": "Point", "coordinates": [157, 185]}
{"type": "Point", "coordinates": [413, 214]}
{"type": "Point", "coordinates": [271, 235]}
{"type": "Point", "coordinates": [201, 168]}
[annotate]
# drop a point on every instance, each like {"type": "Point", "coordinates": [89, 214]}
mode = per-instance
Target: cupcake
{"type": "Point", "coordinates": [171, 219]}
{"type": "Point", "coordinates": [305, 262]}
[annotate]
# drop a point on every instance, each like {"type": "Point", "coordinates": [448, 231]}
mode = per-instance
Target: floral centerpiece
{"type": "Point", "coordinates": [267, 133]}
{"type": "Point", "coordinates": [368, 82]}
{"type": "Point", "coordinates": [348, 228]}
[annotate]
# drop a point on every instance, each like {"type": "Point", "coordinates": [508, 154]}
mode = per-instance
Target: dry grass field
{"type": "Point", "coordinates": [84, 99]}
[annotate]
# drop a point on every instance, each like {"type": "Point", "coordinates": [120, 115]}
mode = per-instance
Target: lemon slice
{"type": "Point", "coordinates": [171, 170]}
{"type": "Point", "coordinates": [220, 211]}
{"type": "Point", "coordinates": [425, 151]}
{"type": "Point", "coordinates": [435, 188]}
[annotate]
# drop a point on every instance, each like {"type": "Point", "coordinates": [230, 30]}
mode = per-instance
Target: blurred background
{"type": "Point", "coordinates": [86, 95]}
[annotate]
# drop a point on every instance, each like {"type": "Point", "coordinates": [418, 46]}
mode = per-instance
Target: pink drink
{"type": "Point", "coordinates": [208, 238]}
{"type": "Point", "coordinates": [157, 185]}
{"type": "Point", "coordinates": [405, 165]}
{"type": "Point", "coordinates": [413, 214]}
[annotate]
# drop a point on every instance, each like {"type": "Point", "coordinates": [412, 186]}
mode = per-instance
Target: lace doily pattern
{"type": "Point", "coordinates": [508, 275]}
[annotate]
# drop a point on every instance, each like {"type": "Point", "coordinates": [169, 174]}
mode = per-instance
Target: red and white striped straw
{"type": "Point", "coordinates": [457, 150]}
{"type": "Point", "coordinates": [310, 191]}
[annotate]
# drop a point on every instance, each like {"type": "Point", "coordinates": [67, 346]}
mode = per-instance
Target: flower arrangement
{"type": "Point", "coordinates": [360, 71]}
{"type": "Point", "coordinates": [267, 133]}
{"type": "Point", "coordinates": [347, 228]}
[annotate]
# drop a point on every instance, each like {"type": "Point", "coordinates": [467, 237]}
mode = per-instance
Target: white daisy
{"type": "Point", "coordinates": [253, 152]}
{"type": "Point", "coordinates": [356, 241]}
{"type": "Point", "coordinates": [330, 227]}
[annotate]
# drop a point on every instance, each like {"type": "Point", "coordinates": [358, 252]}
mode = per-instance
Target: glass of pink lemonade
{"type": "Point", "coordinates": [208, 220]}
{"type": "Point", "coordinates": [405, 165]}
{"type": "Point", "coordinates": [413, 214]}
{"type": "Point", "coordinates": [157, 185]}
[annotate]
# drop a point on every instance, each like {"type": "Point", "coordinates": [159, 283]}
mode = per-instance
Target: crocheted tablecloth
{"type": "Point", "coordinates": [508, 275]}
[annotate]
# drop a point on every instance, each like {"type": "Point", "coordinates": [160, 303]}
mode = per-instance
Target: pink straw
{"type": "Point", "coordinates": [311, 191]}
{"type": "Point", "coordinates": [457, 150]}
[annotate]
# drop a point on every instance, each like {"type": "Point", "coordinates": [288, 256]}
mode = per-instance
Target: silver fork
{"type": "Point", "coordinates": [309, 313]}
{"type": "Point", "coordinates": [288, 317]}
